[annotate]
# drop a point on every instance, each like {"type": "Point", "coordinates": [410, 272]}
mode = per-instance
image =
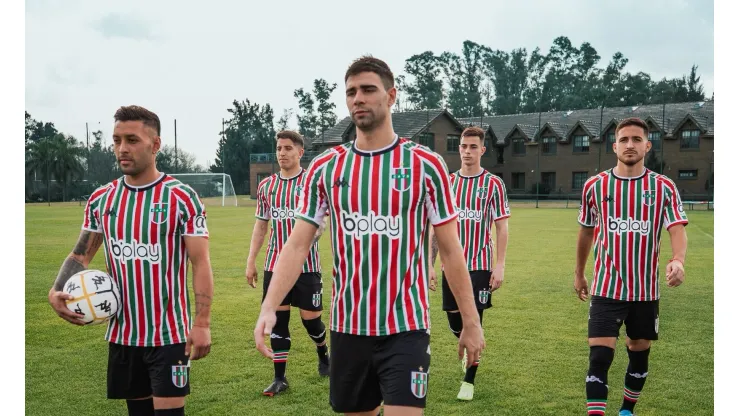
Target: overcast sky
{"type": "Point", "coordinates": [85, 58]}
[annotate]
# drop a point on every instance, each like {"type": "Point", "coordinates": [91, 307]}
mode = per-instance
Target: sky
{"type": "Point", "coordinates": [86, 58]}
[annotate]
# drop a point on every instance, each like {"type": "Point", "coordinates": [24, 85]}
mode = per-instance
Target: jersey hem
{"type": "Point", "coordinates": [503, 217]}
{"type": "Point", "coordinates": [92, 230]}
{"type": "Point", "coordinates": [307, 219]}
{"type": "Point", "coordinates": [377, 333]}
{"type": "Point", "coordinates": [684, 222]}
{"type": "Point", "coordinates": [446, 220]}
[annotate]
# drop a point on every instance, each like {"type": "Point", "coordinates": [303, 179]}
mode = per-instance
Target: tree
{"type": "Point", "coordinates": [696, 90]}
{"type": "Point", "coordinates": [507, 73]}
{"type": "Point", "coordinates": [464, 76]}
{"type": "Point", "coordinates": [282, 123]}
{"type": "Point", "coordinates": [58, 157]}
{"type": "Point", "coordinates": [185, 161]}
{"type": "Point", "coordinates": [101, 162]}
{"type": "Point", "coordinates": [425, 90]}
{"type": "Point", "coordinates": [312, 122]}
{"type": "Point", "coordinates": [307, 119]}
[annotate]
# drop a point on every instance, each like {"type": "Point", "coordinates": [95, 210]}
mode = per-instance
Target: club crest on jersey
{"type": "Point", "coordinates": [316, 299]}
{"type": "Point", "coordinates": [482, 193]}
{"type": "Point", "coordinates": [179, 375]}
{"type": "Point", "coordinates": [483, 296]}
{"type": "Point", "coordinates": [158, 212]}
{"type": "Point", "coordinates": [648, 198]}
{"type": "Point", "coordinates": [401, 178]}
{"type": "Point", "coordinates": [419, 381]}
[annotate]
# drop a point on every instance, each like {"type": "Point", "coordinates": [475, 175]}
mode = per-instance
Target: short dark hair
{"type": "Point", "coordinates": [632, 121]}
{"type": "Point", "coordinates": [368, 63]}
{"type": "Point", "coordinates": [295, 137]}
{"type": "Point", "coordinates": [138, 113]}
{"type": "Point", "coordinates": [474, 131]}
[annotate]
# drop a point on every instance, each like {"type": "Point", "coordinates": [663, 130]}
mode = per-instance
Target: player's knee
{"type": "Point", "coordinates": [316, 329]}
{"type": "Point", "coordinates": [169, 406]}
{"type": "Point", "coordinates": [306, 315]}
{"type": "Point", "coordinates": [638, 344]}
{"type": "Point", "coordinates": [455, 321]}
{"type": "Point", "coordinates": [600, 358]}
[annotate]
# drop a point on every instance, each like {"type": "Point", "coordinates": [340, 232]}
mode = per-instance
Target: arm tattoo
{"type": "Point", "coordinates": [86, 244]}
{"type": "Point", "coordinates": [435, 249]}
{"type": "Point", "coordinates": [202, 302]}
{"type": "Point", "coordinates": [69, 268]}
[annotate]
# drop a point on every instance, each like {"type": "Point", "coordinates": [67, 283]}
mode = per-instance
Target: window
{"type": "Point", "coordinates": [548, 179]}
{"type": "Point", "coordinates": [655, 139]}
{"type": "Point", "coordinates": [579, 178]}
{"type": "Point", "coordinates": [453, 143]}
{"type": "Point", "coordinates": [427, 139]}
{"type": "Point", "coordinates": [689, 139]}
{"type": "Point", "coordinates": [517, 180]}
{"type": "Point", "coordinates": [580, 144]}
{"type": "Point", "coordinates": [518, 147]}
{"type": "Point", "coordinates": [688, 174]}
{"type": "Point", "coordinates": [610, 139]}
{"type": "Point", "coordinates": [549, 146]}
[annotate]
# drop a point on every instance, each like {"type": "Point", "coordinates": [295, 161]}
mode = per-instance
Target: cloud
{"type": "Point", "coordinates": [115, 25]}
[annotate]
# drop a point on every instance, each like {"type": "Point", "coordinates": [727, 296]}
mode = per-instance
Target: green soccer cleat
{"type": "Point", "coordinates": [466, 392]}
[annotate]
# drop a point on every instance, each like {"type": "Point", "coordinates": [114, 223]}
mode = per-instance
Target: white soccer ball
{"type": "Point", "coordinates": [95, 294]}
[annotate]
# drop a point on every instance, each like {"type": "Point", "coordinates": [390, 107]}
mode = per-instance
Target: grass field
{"type": "Point", "coordinates": [534, 364]}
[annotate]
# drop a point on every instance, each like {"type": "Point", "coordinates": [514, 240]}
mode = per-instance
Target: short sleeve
{"type": "Point", "coordinates": [312, 198]}
{"type": "Point", "coordinates": [673, 212]}
{"type": "Point", "coordinates": [586, 215]}
{"type": "Point", "coordinates": [91, 219]}
{"type": "Point", "coordinates": [192, 214]}
{"type": "Point", "coordinates": [500, 201]}
{"type": "Point", "coordinates": [439, 202]}
{"type": "Point", "coordinates": [263, 203]}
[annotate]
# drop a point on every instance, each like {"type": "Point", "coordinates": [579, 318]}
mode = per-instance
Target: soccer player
{"type": "Point", "coordinates": [382, 193]}
{"type": "Point", "coordinates": [622, 212]}
{"type": "Point", "coordinates": [277, 197]}
{"type": "Point", "coordinates": [150, 225]}
{"type": "Point", "coordinates": [481, 198]}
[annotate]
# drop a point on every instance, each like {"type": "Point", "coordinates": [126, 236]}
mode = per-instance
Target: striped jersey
{"type": "Point", "coordinates": [628, 215]}
{"type": "Point", "coordinates": [277, 198]}
{"type": "Point", "coordinates": [380, 205]}
{"type": "Point", "coordinates": [482, 201]}
{"type": "Point", "coordinates": [143, 233]}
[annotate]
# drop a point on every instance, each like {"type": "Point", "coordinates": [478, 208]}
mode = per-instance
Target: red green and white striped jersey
{"type": "Point", "coordinates": [380, 205]}
{"type": "Point", "coordinates": [482, 201]}
{"type": "Point", "coordinates": [277, 200]}
{"type": "Point", "coordinates": [143, 232]}
{"type": "Point", "coordinates": [628, 215]}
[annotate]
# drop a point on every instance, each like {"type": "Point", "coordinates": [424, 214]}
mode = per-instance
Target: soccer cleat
{"type": "Point", "coordinates": [324, 369]}
{"type": "Point", "coordinates": [625, 412]}
{"type": "Point", "coordinates": [278, 386]}
{"type": "Point", "coordinates": [466, 391]}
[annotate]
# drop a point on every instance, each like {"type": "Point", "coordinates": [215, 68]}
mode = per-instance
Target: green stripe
{"type": "Point", "coordinates": [385, 244]}
{"type": "Point", "coordinates": [128, 231]}
{"type": "Point", "coordinates": [344, 195]}
{"type": "Point", "coordinates": [163, 267]}
{"type": "Point", "coordinates": [148, 294]}
{"type": "Point", "coordinates": [365, 276]}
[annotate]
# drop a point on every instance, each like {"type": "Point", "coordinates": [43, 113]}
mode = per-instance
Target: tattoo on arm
{"type": "Point", "coordinates": [86, 246]}
{"type": "Point", "coordinates": [202, 302]}
{"type": "Point", "coordinates": [69, 268]}
{"type": "Point", "coordinates": [435, 249]}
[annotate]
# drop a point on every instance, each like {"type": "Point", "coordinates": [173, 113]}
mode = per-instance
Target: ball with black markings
{"type": "Point", "coordinates": [96, 296]}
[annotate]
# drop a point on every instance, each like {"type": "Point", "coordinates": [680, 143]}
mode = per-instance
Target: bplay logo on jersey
{"type": "Point", "coordinates": [134, 250]}
{"type": "Point", "coordinates": [471, 214]}
{"type": "Point", "coordinates": [282, 213]}
{"type": "Point", "coordinates": [619, 225]}
{"type": "Point", "coordinates": [359, 225]}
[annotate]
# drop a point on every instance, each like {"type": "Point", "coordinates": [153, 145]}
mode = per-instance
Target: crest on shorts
{"type": "Point", "coordinates": [158, 212]}
{"type": "Point", "coordinates": [316, 299]}
{"type": "Point", "coordinates": [648, 198]}
{"type": "Point", "coordinates": [401, 178]}
{"type": "Point", "coordinates": [483, 296]}
{"type": "Point", "coordinates": [179, 375]}
{"type": "Point", "coordinates": [419, 380]}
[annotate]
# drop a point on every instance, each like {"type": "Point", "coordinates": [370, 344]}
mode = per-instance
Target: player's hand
{"type": "Point", "coordinates": [432, 279]}
{"type": "Point", "coordinates": [674, 273]}
{"type": "Point", "coordinates": [198, 344]}
{"type": "Point", "coordinates": [265, 323]}
{"type": "Point", "coordinates": [251, 274]}
{"type": "Point", "coordinates": [472, 341]}
{"type": "Point", "coordinates": [497, 278]}
{"type": "Point", "coordinates": [581, 286]}
{"type": "Point", "coordinates": [57, 300]}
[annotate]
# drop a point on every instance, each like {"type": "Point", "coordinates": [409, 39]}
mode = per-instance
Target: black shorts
{"type": "Point", "coordinates": [139, 372]}
{"type": "Point", "coordinates": [306, 294]}
{"type": "Point", "coordinates": [605, 318]}
{"type": "Point", "coordinates": [481, 280]}
{"type": "Point", "coordinates": [366, 371]}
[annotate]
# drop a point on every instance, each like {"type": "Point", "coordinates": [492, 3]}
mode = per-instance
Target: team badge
{"type": "Point", "coordinates": [401, 179]}
{"type": "Point", "coordinates": [419, 380]}
{"type": "Point", "coordinates": [482, 193]}
{"type": "Point", "coordinates": [158, 212]}
{"type": "Point", "coordinates": [648, 198]}
{"type": "Point", "coordinates": [180, 375]}
{"type": "Point", "coordinates": [483, 296]}
{"type": "Point", "coordinates": [316, 299]}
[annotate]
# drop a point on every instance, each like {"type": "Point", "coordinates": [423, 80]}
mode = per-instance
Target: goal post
{"type": "Point", "coordinates": [212, 188]}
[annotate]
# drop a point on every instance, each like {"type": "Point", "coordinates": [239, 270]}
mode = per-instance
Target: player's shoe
{"type": "Point", "coordinates": [278, 386]}
{"type": "Point", "coordinates": [466, 391]}
{"type": "Point", "coordinates": [324, 369]}
{"type": "Point", "coordinates": [625, 412]}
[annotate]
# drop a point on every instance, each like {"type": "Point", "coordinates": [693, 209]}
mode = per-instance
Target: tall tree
{"type": "Point", "coordinates": [308, 120]}
{"type": "Point", "coordinates": [464, 75]}
{"type": "Point", "coordinates": [185, 161]}
{"type": "Point", "coordinates": [696, 89]}
{"type": "Point", "coordinates": [425, 89]}
{"type": "Point", "coordinates": [283, 121]}
{"type": "Point", "coordinates": [322, 91]}
{"type": "Point", "coordinates": [507, 73]}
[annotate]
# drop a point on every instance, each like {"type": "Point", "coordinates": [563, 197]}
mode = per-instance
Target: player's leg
{"type": "Point", "coordinates": [354, 388]}
{"type": "Point", "coordinates": [481, 281]}
{"type": "Point", "coordinates": [279, 340]}
{"type": "Point", "coordinates": [308, 297]}
{"type": "Point", "coordinates": [605, 319]}
{"type": "Point", "coordinates": [642, 329]}
{"type": "Point", "coordinates": [402, 364]}
{"type": "Point", "coordinates": [129, 380]}
{"type": "Point", "coordinates": [169, 372]}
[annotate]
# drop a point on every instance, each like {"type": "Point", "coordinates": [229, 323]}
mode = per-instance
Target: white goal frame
{"type": "Point", "coordinates": [223, 184]}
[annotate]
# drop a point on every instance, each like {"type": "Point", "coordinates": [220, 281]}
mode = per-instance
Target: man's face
{"type": "Point", "coordinates": [135, 146]}
{"type": "Point", "coordinates": [288, 154]}
{"type": "Point", "coordinates": [631, 145]}
{"type": "Point", "coordinates": [368, 102]}
{"type": "Point", "coordinates": [471, 150]}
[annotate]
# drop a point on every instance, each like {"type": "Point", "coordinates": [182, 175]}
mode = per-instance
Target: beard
{"type": "Point", "coordinates": [630, 162]}
{"type": "Point", "coordinates": [369, 121]}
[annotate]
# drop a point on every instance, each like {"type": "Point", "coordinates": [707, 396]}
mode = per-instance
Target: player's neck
{"type": "Point", "coordinates": [473, 170]}
{"type": "Point", "coordinates": [627, 171]}
{"type": "Point", "coordinates": [382, 137]}
{"type": "Point", "coordinates": [144, 178]}
{"type": "Point", "coordinates": [290, 173]}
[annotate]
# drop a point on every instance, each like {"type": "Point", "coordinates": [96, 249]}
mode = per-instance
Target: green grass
{"type": "Point", "coordinates": [534, 363]}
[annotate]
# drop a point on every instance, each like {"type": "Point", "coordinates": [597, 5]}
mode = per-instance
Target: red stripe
{"type": "Point", "coordinates": [156, 279]}
{"type": "Point", "coordinates": [644, 238]}
{"type": "Point", "coordinates": [618, 241]}
{"type": "Point", "coordinates": [631, 204]}
{"type": "Point", "coordinates": [139, 272]}
{"type": "Point", "coordinates": [391, 291]}
{"type": "Point", "coordinates": [115, 327]}
{"type": "Point", "coordinates": [354, 206]}
{"type": "Point", "coordinates": [170, 279]}
{"type": "Point", "coordinates": [373, 327]}
{"type": "Point", "coordinates": [341, 276]}
{"type": "Point", "coordinates": [407, 282]}
{"type": "Point", "coordinates": [120, 235]}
